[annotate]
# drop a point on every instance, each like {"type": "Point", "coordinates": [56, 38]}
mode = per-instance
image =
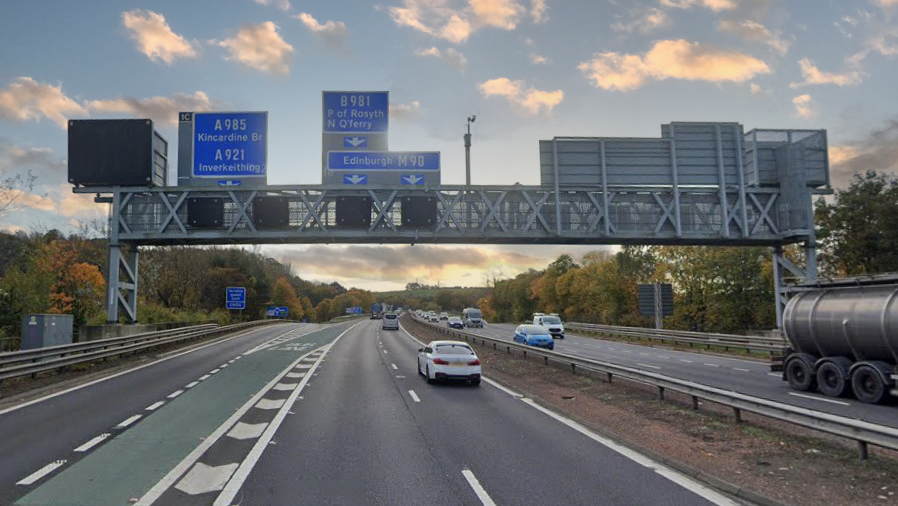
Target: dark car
{"type": "Point", "coordinates": [455, 322]}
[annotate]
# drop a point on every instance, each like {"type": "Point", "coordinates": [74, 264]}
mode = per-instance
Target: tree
{"type": "Point", "coordinates": [283, 294]}
{"type": "Point", "coordinates": [544, 288]}
{"type": "Point", "coordinates": [858, 232]}
{"type": "Point", "coordinates": [12, 188]}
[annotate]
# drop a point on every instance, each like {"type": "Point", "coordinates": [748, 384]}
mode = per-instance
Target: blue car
{"type": "Point", "coordinates": [534, 335]}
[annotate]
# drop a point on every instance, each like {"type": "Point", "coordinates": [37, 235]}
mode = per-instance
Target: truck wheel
{"type": "Point", "coordinates": [868, 385]}
{"type": "Point", "coordinates": [831, 380]}
{"type": "Point", "coordinates": [799, 375]}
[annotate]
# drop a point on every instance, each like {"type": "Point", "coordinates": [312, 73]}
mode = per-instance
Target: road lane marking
{"type": "Point", "coordinates": [713, 365]}
{"type": "Point", "coordinates": [663, 356]}
{"type": "Point", "coordinates": [385, 351]}
{"type": "Point", "coordinates": [270, 404]}
{"type": "Point", "coordinates": [202, 479]}
{"type": "Point", "coordinates": [192, 384]}
{"type": "Point", "coordinates": [222, 366]}
{"type": "Point", "coordinates": [501, 387]}
{"type": "Point", "coordinates": [414, 396]}
{"type": "Point", "coordinates": [243, 431]}
{"type": "Point", "coordinates": [175, 394]}
{"type": "Point", "coordinates": [647, 365]}
{"type": "Point", "coordinates": [821, 399]}
{"type": "Point", "coordinates": [741, 369]}
{"type": "Point", "coordinates": [400, 377]}
{"type": "Point", "coordinates": [775, 374]}
{"type": "Point", "coordinates": [213, 371]}
{"type": "Point", "coordinates": [93, 442]}
{"type": "Point", "coordinates": [394, 366]}
{"type": "Point", "coordinates": [478, 489]}
{"type": "Point", "coordinates": [295, 375]}
{"type": "Point", "coordinates": [153, 406]}
{"type": "Point", "coordinates": [283, 387]}
{"type": "Point", "coordinates": [226, 497]}
{"type": "Point", "coordinates": [128, 422]}
{"type": "Point", "coordinates": [204, 377]}
{"type": "Point", "coordinates": [40, 473]}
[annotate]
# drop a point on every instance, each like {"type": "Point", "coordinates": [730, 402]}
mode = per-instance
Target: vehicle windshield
{"type": "Point", "coordinates": [455, 319]}
{"type": "Point", "coordinates": [551, 319]}
{"type": "Point", "coordinates": [474, 314]}
{"type": "Point", "coordinates": [390, 317]}
{"type": "Point", "coordinates": [453, 349]}
{"type": "Point", "coordinates": [534, 330]}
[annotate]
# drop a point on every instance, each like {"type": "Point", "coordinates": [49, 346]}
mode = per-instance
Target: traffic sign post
{"type": "Point", "coordinates": [223, 148]}
{"type": "Point", "coordinates": [235, 297]}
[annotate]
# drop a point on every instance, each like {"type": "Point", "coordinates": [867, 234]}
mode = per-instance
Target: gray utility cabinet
{"type": "Point", "coordinates": [43, 330]}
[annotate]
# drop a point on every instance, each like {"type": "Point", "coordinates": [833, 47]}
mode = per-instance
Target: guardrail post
{"type": "Point", "coordinates": [695, 403]}
{"type": "Point", "coordinates": [545, 360]}
{"type": "Point", "coordinates": [737, 413]}
{"type": "Point", "coordinates": [660, 393]}
{"type": "Point", "coordinates": [610, 376]}
{"type": "Point", "coordinates": [862, 450]}
{"type": "Point", "coordinates": [573, 368]}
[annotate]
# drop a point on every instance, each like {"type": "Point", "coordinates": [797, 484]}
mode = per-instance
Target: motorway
{"type": "Point", "coordinates": [313, 414]}
{"type": "Point", "coordinates": [750, 377]}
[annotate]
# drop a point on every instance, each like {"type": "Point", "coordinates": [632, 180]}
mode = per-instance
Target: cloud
{"type": "Point", "coordinates": [643, 21]}
{"type": "Point", "coordinates": [754, 32]}
{"type": "Point", "coordinates": [677, 59]}
{"type": "Point", "coordinates": [454, 58]}
{"type": "Point", "coordinates": [159, 109]}
{"type": "Point", "coordinates": [27, 99]}
{"type": "Point", "coordinates": [804, 106]}
{"type": "Point", "coordinates": [876, 150]}
{"type": "Point", "coordinates": [333, 33]}
{"type": "Point", "coordinates": [260, 47]}
{"type": "Point", "coordinates": [538, 60]}
{"type": "Point", "coordinates": [71, 204]}
{"type": "Point", "coordinates": [155, 38]}
{"type": "Point", "coordinates": [530, 100]}
{"type": "Point", "coordinates": [881, 35]}
{"type": "Point", "coordinates": [30, 200]}
{"type": "Point", "coordinates": [454, 21]}
{"type": "Point", "coordinates": [714, 5]}
{"type": "Point", "coordinates": [404, 112]}
{"type": "Point", "coordinates": [538, 10]}
{"type": "Point", "coordinates": [40, 161]}
{"type": "Point", "coordinates": [757, 90]}
{"type": "Point", "coordinates": [283, 5]}
{"type": "Point", "coordinates": [812, 75]}
{"type": "Point", "coordinates": [12, 229]}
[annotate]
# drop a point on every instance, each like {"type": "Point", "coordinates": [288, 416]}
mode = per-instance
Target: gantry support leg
{"type": "Point", "coordinates": [122, 278]}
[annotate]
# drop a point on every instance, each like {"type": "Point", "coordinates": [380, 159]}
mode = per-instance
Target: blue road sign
{"type": "Point", "coordinates": [277, 311]}
{"type": "Point", "coordinates": [355, 179]}
{"type": "Point", "coordinates": [236, 297]}
{"type": "Point", "coordinates": [384, 160]}
{"type": "Point", "coordinates": [356, 111]}
{"type": "Point", "coordinates": [355, 142]}
{"type": "Point", "coordinates": [230, 144]}
{"type": "Point", "coordinates": [412, 179]}
{"type": "Point", "coordinates": [229, 182]}
{"type": "Point", "coordinates": [354, 310]}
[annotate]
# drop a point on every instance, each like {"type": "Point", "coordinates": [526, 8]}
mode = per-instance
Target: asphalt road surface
{"type": "Point", "coordinates": [307, 414]}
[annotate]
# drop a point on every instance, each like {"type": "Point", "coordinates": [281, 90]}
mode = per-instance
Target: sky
{"type": "Point", "coordinates": [528, 70]}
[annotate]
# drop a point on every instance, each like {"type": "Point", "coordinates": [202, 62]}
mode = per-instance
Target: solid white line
{"type": "Point", "coordinates": [239, 477]}
{"type": "Point", "coordinates": [93, 442]}
{"type": "Point", "coordinates": [501, 387]}
{"type": "Point", "coordinates": [713, 365]}
{"type": "Point", "coordinates": [40, 473]}
{"type": "Point", "coordinates": [113, 376]}
{"type": "Point", "coordinates": [478, 489]}
{"type": "Point", "coordinates": [128, 422]}
{"type": "Point", "coordinates": [175, 394]}
{"type": "Point", "coordinates": [741, 369]}
{"type": "Point", "coordinates": [647, 365]}
{"type": "Point", "coordinates": [821, 399]}
{"type": "Point", "coordinates": [672, 475]}
{"type": "Point", "coordinates": [153, 406]}
{"type": "Point", "coordinates": [414, 396]}
{"type": "Point", "coordinates": [192, 384]}
{"type": "Point", "coordinates": [394, 366]}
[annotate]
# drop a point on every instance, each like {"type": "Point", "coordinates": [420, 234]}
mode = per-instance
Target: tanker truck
{"type": "Point", "coordinates": [843, 338]}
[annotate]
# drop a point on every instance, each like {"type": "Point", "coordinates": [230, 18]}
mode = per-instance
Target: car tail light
{"type": "Point", "coordinates": [439, 361]}
{"type": "Point", "coordinates": [474, 362]}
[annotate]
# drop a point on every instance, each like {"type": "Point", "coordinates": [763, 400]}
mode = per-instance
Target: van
{"type": "Point", "coordinates": [390, 321]}
{"type": "Point", "coordinates": [471, 317]}
{"type": "Point", "coordinates": [551, 322]}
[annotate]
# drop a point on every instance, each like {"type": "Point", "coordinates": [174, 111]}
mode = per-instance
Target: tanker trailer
{"type": "Point", "coordinates": [843, 339]}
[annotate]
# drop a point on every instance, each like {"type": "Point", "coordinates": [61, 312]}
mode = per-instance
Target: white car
{"type": "Point", "coordinates": [449, 360]}
{"type": "Point", "coordinates": [390, 321]}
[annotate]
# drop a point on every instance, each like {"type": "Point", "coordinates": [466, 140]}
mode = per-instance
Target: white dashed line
{"type": "Point", "coordinates": [153, 406]}
{"type": "Point", "coordinates": [713, 365]}
{"type": "Point", "coordinates": [663, 356]}
{"type": "Point", "coordinates": [644, 354]}
{"type": "Point", "coordinates": [213, 371]}
{"type": "Point", "coordinates": [40, 473]}
{"type": "Point", "coordinates": [204, 377]}
{"type": "Point", "coordinates": [821, 399]}
{"type": "Point", "coordinates": [175, 394]}
{"type": "Point", "coordinates": [93, 442]}
{"type": "Point", "coordinates": [478, 489]}
{"type": "Point", "coordinates": [192, 384]}
{"type": "Point", "coordinates": [414, 396]}
{"type": "Point", "coordinates": [647, 365]}
{"type": "Point", "coordinates": [394, 366]}
{"type": "Point", "coordinates": [686, 361]}
{"type": "Point", "coordinates": [128, 422]}
{"type": "Point", "coordinates": [775, 374]}
{"type": "Point", "coordinates": [741, 369]}
{"type": "Point", "coordinates": [385, 351]}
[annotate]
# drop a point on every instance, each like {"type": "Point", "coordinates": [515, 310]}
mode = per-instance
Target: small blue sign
{"type": "Point", "coordinates": [229, 182]}
{"type": "Point", "coordinates": [230, 144]}
{"type": "Point", "coordinates": [355, 142]}
{"type": "Point", "coordinates": [277, 311]}
{"type": "Point", "coordinates": [355, 179]}
{"type": "Point", "coordinates": [356, 111]}
{"type": "Point", "coordinates": [413, 179]}
{"type": "Point", "coordinates": [384, 160]}
{"type": "Point", "coordinates": [354, 310]}
{"type": "Point", "coordinates": [236, 297]}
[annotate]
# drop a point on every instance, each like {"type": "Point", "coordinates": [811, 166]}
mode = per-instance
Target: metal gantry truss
{"type": "Point", "coordinates": [737, 216]}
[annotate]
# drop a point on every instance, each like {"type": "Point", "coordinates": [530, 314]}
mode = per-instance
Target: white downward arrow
{"type": "Point", "coordinates": [413, 179]}
{"type": "Point", "coordinates": [356, 141]}
{"type": "Point", "coordinates": [355, 178]}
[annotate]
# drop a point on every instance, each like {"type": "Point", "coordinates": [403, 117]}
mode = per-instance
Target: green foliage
{"type": "Point", "coordinates": [432, 298]}
{"type": "Point", "coordinates": [858, 232]}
